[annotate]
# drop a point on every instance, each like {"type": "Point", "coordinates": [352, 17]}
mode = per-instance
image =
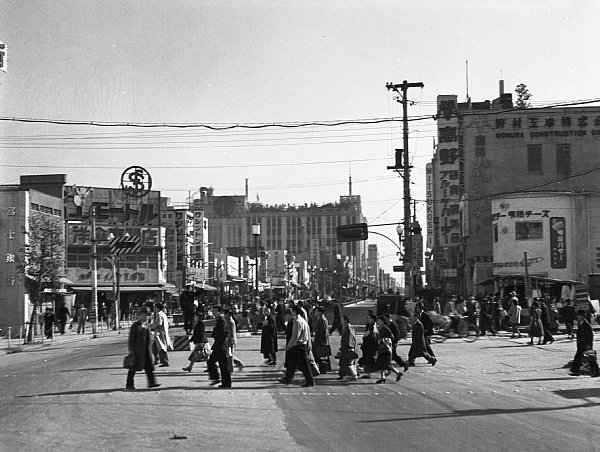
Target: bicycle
{"type": "Point", "coordinates": [445, 328]}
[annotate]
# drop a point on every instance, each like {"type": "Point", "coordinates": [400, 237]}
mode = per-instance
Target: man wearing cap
{"type": "Point", "coordinates": [140, 346]}
{"type": "Point", "coordinates": [585, 341]}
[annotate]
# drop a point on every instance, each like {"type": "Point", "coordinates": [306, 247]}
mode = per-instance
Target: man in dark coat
{"type": "Point", "coordinates": [219, 355]}
{"type": "Point", "coordinates": [140, 346]}
{"type": "Point", "coordinates": [337, 318]}
{"type": "Point", "coordinates": [395, 339]}
{"type": "Point", "coordinates": [427, 323]}
{"type": "Point", "coordinates": [418, 346]}
{"type": "Point", "coordinates": [569, 313]}
{"type": "Point", "coordinates": [187, 309]}
{"type": "Point", "coordinates": [585, 341]}
{"type": "Point", "coordinates": [49, 321]}
{"type": "Point", "coordinates": [268, 339]}
{"type": "Point", "coordinates": [320, 346]}
{"type": "Point", "coordinates": [63, 316]}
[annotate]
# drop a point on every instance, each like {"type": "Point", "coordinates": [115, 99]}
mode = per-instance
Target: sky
{"type": "Point", "coordinates": [271, 64]}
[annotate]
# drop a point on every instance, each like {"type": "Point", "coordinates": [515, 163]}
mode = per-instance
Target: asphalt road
{"type": "Point", "coordinates": [493, 394]}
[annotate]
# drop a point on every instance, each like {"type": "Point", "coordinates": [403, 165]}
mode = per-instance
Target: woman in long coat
{"type": "Point", "coordinates": [347, 351]}
{"type": "Point", "coordinates": [369, 347]}
{"type": "Point", "coordinates": [384, 352]}
{"type": "Point", "coordinates": [268, 340]}
{"type": "Point", "coordinates": [140, 346]}
{"type": "Point", "coordinates": [536, 329]}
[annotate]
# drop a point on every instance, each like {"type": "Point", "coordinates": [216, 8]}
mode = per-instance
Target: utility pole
{"type": "Point", "coordinates": [401, 90]}
{"type": "Point", "coordinates": [94, 272]}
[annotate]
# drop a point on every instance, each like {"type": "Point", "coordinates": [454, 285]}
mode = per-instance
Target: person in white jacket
{"type": "Point", "coordinates": [162, 339]}
{"type": "Point", "coordinates": [514, 315]}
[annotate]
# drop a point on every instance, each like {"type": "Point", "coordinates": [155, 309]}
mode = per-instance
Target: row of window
{"type": "Point", "coordinates": [525, 230]}
{"type": "Point", "coordinates": [45, 209]}
{"type": "Point", "coordinates": [563, 158]}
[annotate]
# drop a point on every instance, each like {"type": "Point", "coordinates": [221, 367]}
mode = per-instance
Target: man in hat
{"type": "Point", "coordinates": [140, 346]}
{"type": "Point", "coordinates": [585, 342]}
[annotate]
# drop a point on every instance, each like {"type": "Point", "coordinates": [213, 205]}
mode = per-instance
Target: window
{"type": "Point", "coordinates": [534, 158]}
{"type": "Point", "coordinates": [495, 233]}
{"type": "Point", "coordinates": [529, 230]}
{"type": "Point", "coordinates": [563, 158]}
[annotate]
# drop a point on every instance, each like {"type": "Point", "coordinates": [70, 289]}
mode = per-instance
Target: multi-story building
{"type": "Point", "coordinates": [142, 273]}
{"type": "Point", "coordinates": [18, 205]}
{"type": "Point", "coordinates": [303, 234]}
{"type": "Point", "coordinates": [373, 267]}
{"type": "Point", "coordinates": [507, 181]}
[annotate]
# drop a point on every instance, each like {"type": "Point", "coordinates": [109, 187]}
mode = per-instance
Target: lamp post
{"type": "Point", "coordinates": [256, 234]}
{"type": "Point", "coordinates": [116, 268]}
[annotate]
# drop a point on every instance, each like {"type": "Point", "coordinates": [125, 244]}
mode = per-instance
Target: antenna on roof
{"type": "Point", "coordinates": [350, 179]}
{"type": "Point", "coordinates": [467, 74]}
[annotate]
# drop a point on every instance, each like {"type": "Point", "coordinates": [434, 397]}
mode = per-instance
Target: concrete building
{"type": "Point", "coordinates": [305, 235]}
{"type": "Point", "coordinates": [18, 205]}
{"type": "Point", "coordinates": [501, 181]}
{"type": "Point", "coordinates": [142, 274]}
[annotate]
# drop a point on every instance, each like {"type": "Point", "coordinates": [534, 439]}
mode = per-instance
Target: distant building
{"type": "Point", "coordinates": [306, 232]}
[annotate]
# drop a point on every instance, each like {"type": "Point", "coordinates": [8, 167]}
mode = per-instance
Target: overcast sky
{"type": "Point", "coordinates": [259, 62]}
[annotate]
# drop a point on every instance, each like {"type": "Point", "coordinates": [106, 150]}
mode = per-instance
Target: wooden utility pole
{"type": "Point", "coordinates": [402, 89]}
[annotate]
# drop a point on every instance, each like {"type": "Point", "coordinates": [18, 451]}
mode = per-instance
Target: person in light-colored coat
{"type": "Point", "coordinates": [514, 316]}
{"type": "Point", "coordinates": [161, 334]}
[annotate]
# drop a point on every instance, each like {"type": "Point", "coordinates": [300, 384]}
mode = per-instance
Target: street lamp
{"type": "Point", "coordinates": [256, 234]}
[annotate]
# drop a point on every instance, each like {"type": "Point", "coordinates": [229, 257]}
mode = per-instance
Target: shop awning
{"type": "Point", "coordinates": [122, 288]}
{"type": "Point", "coordinates": [207, 287]}
{"type": "Point", "coordinates": [521, 276]}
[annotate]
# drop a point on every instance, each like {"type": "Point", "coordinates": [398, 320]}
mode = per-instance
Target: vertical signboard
{"type": "Point", "coordinates": [314, 257]}
{"type": "Point", "coordinates": [558, 243]}
{"type": "Point", "coordinates": [277, 265]}
{"type": "Point", "coordinates": [447, 181]}
{"type": "Point", "coordinates": [429, 189]}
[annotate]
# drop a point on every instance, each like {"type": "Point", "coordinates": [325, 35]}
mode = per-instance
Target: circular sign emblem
{"type": "Point", "coordinates": [136, 181]}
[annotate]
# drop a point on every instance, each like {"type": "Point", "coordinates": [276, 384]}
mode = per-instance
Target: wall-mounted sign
{"type": "Point", "coordinates": [558, 243]}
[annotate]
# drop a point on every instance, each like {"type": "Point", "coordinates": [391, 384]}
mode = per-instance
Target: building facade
{"type": "Point", "coordinates": [306, 233]}
{"type": "Point", "coordinates": [18, 204]}
{"type": "Point", "coordinates": [529, 164]}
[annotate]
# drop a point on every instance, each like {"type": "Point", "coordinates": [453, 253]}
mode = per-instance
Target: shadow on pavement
{"type": "Point", "coordinates": [90, 369]}
{"type": "Point", "coordinates": [539, 379]}
{"type": "Point", "coordinates": [485, 412]}
{"type": "Point", "coordinates": [583, 393]}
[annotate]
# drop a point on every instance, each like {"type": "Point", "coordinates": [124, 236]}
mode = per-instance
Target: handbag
{"type": "Point", "coordinates": [352, 354]}
{"type": "Point", "coordinates": [201, 353]}
{"type": "Point", "coordinates": [321, 351]}
{"type": "Point", "coordinates": [589, 356]}
{"type": "Point", "coordinates": [129, 361]}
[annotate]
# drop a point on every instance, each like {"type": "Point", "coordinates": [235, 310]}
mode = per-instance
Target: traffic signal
{"type": "Point", "coordinates": [352, 232]}
{"type": "Point", "coordinates": [398, 268]}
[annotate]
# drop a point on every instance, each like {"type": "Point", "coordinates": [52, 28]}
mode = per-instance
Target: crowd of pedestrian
{"type": "Point", "coordinates": [307, 331]}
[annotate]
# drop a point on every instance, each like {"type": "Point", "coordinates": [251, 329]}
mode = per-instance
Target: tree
{"type": "Point", "coordinates": [523, 96]}
{"type": "Point", "coordinates": [42, 261]}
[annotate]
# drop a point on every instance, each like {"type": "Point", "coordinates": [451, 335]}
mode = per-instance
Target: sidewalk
{"type": "Point", "coordinates": [14, 346]}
